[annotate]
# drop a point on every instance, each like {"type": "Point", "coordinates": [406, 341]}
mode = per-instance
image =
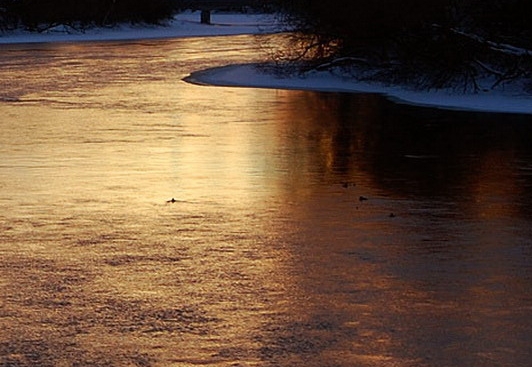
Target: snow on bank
{"type": "Point", "coordinates": [186, 24]}
{"type": "Point", "coordinates": [504, 101]}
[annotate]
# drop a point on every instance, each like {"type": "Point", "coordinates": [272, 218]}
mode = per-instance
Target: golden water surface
{"type": "Point", "coordinates": [269, 254]}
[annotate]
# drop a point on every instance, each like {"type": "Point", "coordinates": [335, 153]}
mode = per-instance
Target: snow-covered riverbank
{"type": "Point", "coordinates": [508, 100]}
{"type": "Point", "coordinates": [186, 24]}
{"type": "Point", "coordinates": [502, 100]}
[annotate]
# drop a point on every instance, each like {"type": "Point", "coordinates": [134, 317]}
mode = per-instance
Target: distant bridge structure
{"type": "Point", "coordinates": [207, 6]}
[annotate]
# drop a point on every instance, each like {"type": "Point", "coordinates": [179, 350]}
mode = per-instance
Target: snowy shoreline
{"type": "Point", "coordinates": [249, 75]}
{"type": "Point", "coordinates": [188, 24]}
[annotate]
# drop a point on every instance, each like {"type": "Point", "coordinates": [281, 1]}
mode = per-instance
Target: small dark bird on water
{"type": "Point", "coordinates": [172, 200]}
{"type": "Point", "coordinates": [362, 198]}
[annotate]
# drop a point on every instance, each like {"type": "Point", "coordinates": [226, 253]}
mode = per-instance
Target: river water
{"type": "Point", "coordinates": [270, 254]}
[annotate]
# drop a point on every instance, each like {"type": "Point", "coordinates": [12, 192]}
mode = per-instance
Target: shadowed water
{"type": "Point", "coordinates": [270, 254]}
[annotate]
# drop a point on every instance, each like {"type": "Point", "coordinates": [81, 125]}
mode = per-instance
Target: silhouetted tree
{"type": "Point", "coordinates": [429, 43]}
{"type": "Point", "coordinates": [39, 14]}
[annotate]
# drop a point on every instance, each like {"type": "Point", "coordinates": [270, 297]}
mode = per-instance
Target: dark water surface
{"type": "Point", "coordinates": [268, 257]}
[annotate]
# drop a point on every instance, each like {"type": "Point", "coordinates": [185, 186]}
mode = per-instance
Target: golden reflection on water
{"type": "Point", "coordinates": [268, 256]}
{"type": "Point", "coordinates": [496, 187]}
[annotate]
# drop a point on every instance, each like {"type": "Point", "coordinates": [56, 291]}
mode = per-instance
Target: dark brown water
{"type": "Point", "coordinates": [268, 257]}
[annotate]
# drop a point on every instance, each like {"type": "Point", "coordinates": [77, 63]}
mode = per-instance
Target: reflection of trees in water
{"type": "Point", "coordinates": [411, 151]}
{"type": "Point", "coordinates": [461, 251]}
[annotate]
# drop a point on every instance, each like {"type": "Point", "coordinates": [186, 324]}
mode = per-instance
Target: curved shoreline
{"type": "Point", "coordinates": [187, 25]}
{"type": "Point", "coordinates": [249, 76]}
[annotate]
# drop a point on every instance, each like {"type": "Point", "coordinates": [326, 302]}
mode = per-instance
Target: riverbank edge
{"type": "Point", "coordinates": [185, 24]}
{"type": "Point", "coordinates": [256, 76]}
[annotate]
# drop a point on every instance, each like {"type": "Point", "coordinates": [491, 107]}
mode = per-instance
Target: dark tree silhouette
{"type": "Point", "coordinates": [40, 14]}
{"type": "Point", "coordinates": [428, 43]}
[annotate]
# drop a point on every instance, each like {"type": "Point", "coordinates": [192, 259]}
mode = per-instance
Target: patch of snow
{"type": "Point", "coordinates": [186, 24]}
{"type": "Point", "coordinates": [248, 75]}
